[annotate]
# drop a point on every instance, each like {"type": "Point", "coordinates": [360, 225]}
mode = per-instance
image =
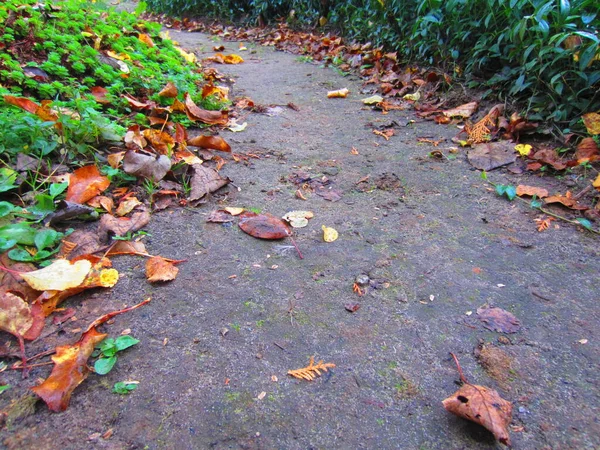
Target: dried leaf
{"type": "Point", "coordinates": [161, 141]}
{"type": "Point", "coordinates": [523, 149]}
{"type": "Point", "coordinates": [592, 122]}
{"type": "Point", "coordinates": [264, 226]}
{"type": "Point", "coordinates": [220, 216]}
{"type": "Point", "coordinates": [530, 191]}
{"type": "Point", "coordinates": [544, 224]}
{"type": "Point", "coordinates": [159, 269]}
{"type": "Point", "coordinates": [298, 219]}
{"type": "Point", "coordinates": [147, 166]}
{"type": "Point", "coordinates": [187, 157]}
{"type": "Point", "coordinates": [17, 317]}
{"type": "Point", "coordinates": [13, 281]}
{"type": "Point", "coordinates": [126, 206]}
{"type": "Point", "coordinates": [596, 182]}
{"type": "Point", "coordinates": [587, 150]}
{"type": "Point", "coordinates": [497, 319]}
{"type": "Point", "coordinates": [58, 276]}
{"type": "Point", "coordinates": [120, 226]}
{"type": "Point", "coordinates": [146, 39]}
{"type": "Point", "coordinates": [483, 406]}
{"type": "Point", "coordinates": [99, 94]}
{"type": "Point", "coordinates": [329, 234]}
{"type": "Point", "coordinates": [70, 365]}
{"type": "Point", "coordinates": [233, 59]}
{"type": "Point", "coordinates": [198, 114]}
{"type": "Point", "coordinates": [488, 156]}
{"type": "Point", "coordinates": [373, 100]}
{"type": "Point", "coordinates": [462, 111]}
{"type": "Point", "coordinates": [169, 91]}
{"type": "Point", "coordinates": [352, 307]}
{"type": "Point", "coordinates": [234, 211]}
{"type": "Point", "coordinates": [566, 200]}
{"type": "Point", "coordinates": [549, 156]}
{"type": "Point", "coordinates": [340, 93]}
{"type": "Point", "coordinates": [311, 371]}
{"type": "Point", "coordinates": [211, 142]}
{"type": "Point", "coordinates": [204, 181]}
{"type": "Point", "coordinates": [127, 248]}
{"type": "Point", "coordinates": [85, 183]}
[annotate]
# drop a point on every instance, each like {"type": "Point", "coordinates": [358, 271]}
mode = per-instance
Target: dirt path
{"type": "Point", "coordinates": [436, 245]}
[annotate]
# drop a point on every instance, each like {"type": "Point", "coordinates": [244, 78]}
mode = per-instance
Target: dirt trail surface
{"type": "Point", "coordinates": [432, 245]}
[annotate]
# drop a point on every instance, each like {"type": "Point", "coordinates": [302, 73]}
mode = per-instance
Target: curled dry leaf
{"type": "Point", "coordinates": [13, 281]}
{"type": "Point", "coordinates": [566, 200]}
{"type": "Point", "coordinates": [85, 183]}
{"type": "Point", "coordinates": [530, 191]}
{"type": "Point", "coordinates": [483, 406]}
{"type": "Point", "coordinates": [58, 276]}
{"type": "Point", "coordinates": [311, 371]}
{"type": "Point", "coordinates": [298, 219]}
{"type": "Point", "coordinates": [169, 91]}
{"type": "Point", "coordinates": [159, 269]}
{"type": "Point", "coordinates": [587, 150]}
{"type": "Point", "coordinates": [210, 142]}
{"type": "Point", "coordinates": [114, 159]}
{"type": "Point", "coordinates": [329, 234]}
{"type": "Point", "coordinates": [204, 181]}
{"type": "Point", "coordinates": [497, 319]}
{"type": "Point", "coordinates": [201, 115]}
{"type": "Point", "coordinates": [120, 226]}
{"type": "Point", "coordinates": [127, 248]}
{"type": "Point", "coordinates": [147, 166]}
{"type": "Point", "coordinates": [264, 226]}
{"type": "Point", "coordinates": [340, 93]}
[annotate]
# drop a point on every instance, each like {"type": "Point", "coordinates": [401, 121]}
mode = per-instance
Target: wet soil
{"type": "Point", "coordinates": [435, 243]}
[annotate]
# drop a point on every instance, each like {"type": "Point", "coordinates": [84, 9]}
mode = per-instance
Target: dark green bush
{"type": "Point", "coordinates": [543, 53]}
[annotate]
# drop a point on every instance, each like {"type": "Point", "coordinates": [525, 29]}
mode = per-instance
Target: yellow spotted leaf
{"type": "Point", "coordinates": [329, 234]}
{"type": "Point", "coordinates": [58, 276]}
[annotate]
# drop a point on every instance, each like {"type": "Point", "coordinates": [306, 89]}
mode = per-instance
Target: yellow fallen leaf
{"type": "Point", "coordinates": [592, 122]}
{"type": "Point", "coordinates": [58, 276]}
{"type": "Point", "coordinates": [414, 97]}
{"type": "Point", "coordinates": [234, 211]}
{"type": "Point", "coordinates": [108, 277]}
{"type": "Point", "coordinates": [596, 183]}
{"type": "Point", "coordinates": [189, 57]}
{"type": "Point", "coordinates": [373, 100]}
{"type": "Point", "coordinates": [233, 59]}
{"type": "Point", "coordinates": [523, 149]}
{"type": "Point", "coordinates": [329, 234]}
{"type": "Point", "coordinates": [340, 93]}
{"type": "Point", "coordinates": [119, 56]}
{"type": "Point", "coordinates": [146, 39]}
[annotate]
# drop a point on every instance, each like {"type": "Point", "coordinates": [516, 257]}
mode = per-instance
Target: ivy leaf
{"type": "Point", "coordinates": [124, 342]}
{"type": "Point", "coordinates": [104, 365]}
{"type": "Point", "coordinates": [18, 254]}
{"type": "Point", "coordinates": [585, 223]}
{"type": "Point", "coordinates": [511, 192]}
{"type": "Point", "coordinates": [20, 232]}
{"type": "Point", "coordinates": [535, 203]}
{"type": "Point", "coordinates": [6, 244]}
{"type": "Point", "coordinates": [500, 189]}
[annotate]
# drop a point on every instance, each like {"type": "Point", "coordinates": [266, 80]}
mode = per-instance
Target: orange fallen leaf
{"type": "Point", "coordinates": [85, 183]}
{"type": "Point", "coordinates": [530, 191]}
{"type": "Point", "coordinates": [211, 142]}
{"type": "Point", "coordinates": [384, 134]}
{"type": "Point", "coordinates": [169, 91]}
{"type": "Point", "coordinates": [587, 150]}
{"type": "Point", "coordinates": [311, 371]}
{"type": "Point", "coordinates": [159, 269]}
{"type": "Point", "coordinates": [70, 364]}
{"type": "Point", "coordinates": [592, 122]}
{"type": "Point", "coordinates": [146, 39]}
{"type": "Point", "coordinates": [99, 94]}
{"type": "Point", "coordinates": [544, 224]}
{"type": "Point", "coordinates": [566, 200]}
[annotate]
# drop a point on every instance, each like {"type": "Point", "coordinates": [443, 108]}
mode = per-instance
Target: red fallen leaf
{"type": "Point", "coordinates": [566, 200]}
{"type": "Point", "coordinates": [587, 150]}
{"type": "Point", "coordinates": [180, 134]}
{"type": "Point", "coordinates": [99, 94]}
{"type": "Point", "coordinates": [159, 269]}
{"type": "Point", "coordinates": [497, 319]}
{"type": "Point", "coordinates": [352, 307]}
{"type": "Point", "coordinates": [483, 406]}
{"type": "Point", "coordinates": [212, 142]}
{"type": "Point", "coordinates": [264, 226]}
{"type": "Point", "coordinates": [85, 183]}
{"type": "Point", "coordinates": [23, 103]}
{"type": "Point", "coordinates": [70, 364]}
{"type": "Point", "coordinates": [136, 104]}
{"type": "Point", "coordinates": [202, 115]}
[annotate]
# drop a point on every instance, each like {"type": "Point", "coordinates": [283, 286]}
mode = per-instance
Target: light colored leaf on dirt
{"type": "Point", "coordinates": [126, 206]}
{"type": "Point", "coordinates": [523, 149]}
{"type": "Point", "coordinates": [15, 314]}
{"type": "Point", "coordinates": [491, 155]}
{"type": "Point", "coordinates": [58, 276]}
{"type": "Point", "coordinates": [159, 269]}
{"type": "Point", "coordinates": [204, 181]}
{"type": "Point", "coordinates": [237, 127]}
{"type": "Point", "coordinates": [340, 93]}
{"type": "Point", "coordinates": [148, 166]}
{"type": "Point", "coordinates": [463, 111]}
{"type": "Point", "coordinates": [298, 219]}
{"type": "Point", "coordinates": [373, 100]}
{"type": "Point", "coordinates": [530, 191]}
{"type": "Point", "coordinates": [234, 211]}
{"type": "Point", "coordinates": [85, 183]}
{"type": "Point", "coordinates": [329, 234]}
{"type": "Point", "coordinates": [219, 216]}
{"type": "Point", "coordinates": [146, 40]}
{"type": "Point", "coordinates": [311, 371]}
{"type": "Point", "coordinates": [497, 319]}
{"type": "Point", "coordinates": [483, 406]}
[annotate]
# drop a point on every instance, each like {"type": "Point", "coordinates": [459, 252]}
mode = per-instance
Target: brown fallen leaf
{"type": "Point", "coordinates": [497, 319]}
{"type": "Point", "coordinates": [169, 91]}
{"type": "Point", "coordinates": [587, 150]}
{"type": "Point", "coordinates": [490, 155]}
{"type": "Point", "coordinates": [127, 248]}
{"type": "Point", "coordinates": [70, 364]}
{"type": "Point", "coordinates": [311, 371]}
{"type": "Point", "coordinates": [530, 191]}
{"type": "Point", "coordinates": [120, 226]}
{"type": "Point", "coordinates": [11, 280]}
{"type": "Point", "coordinates": [204, 181]}
{"type": "Point", "coordinates": [159, 269]}
{"type": "Point", "coordinates": [352, 307]}
{"type": "Point", "coordinates": [566, 200]}
{"type": "Point", "coordinates": [146, 39]}
{"type": "Point", "coordinates": [85, 183]}
{"type": "Point", "coordinates": [82, 243]}
{"type": "Point", "coordinates": [201, 115]}
{"type": "Point", "coordinates": [549, 156]}
{"type": "Point", "coordinates": [264, 226]}
{"type": "Point", "coordinates": [148, 166]}
{"type": "Point", "coordinates": [99, 93]}
{"type": "Point", "coordinates": [481, 405]}
{"type": "Point", "coordinates": [462, 111]}
{"type": "Point", "coordinates": [220, 216]}
{"type": "Point", "coordinates": [210, 142]}
{"type": "Point", "coordinates": [161, 141]}
{"type": "Point", "coordinates": [384, 134]}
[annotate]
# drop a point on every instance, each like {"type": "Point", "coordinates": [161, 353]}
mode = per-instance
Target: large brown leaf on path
{"type": "Point", "coordinates": [148, 166]}
{"type": "Point", "coordinates": [85, 183]}
{"type": "Point", "coordinates": [566, 200]}
{"type": "Point", "coordinates": [211, 142]}
{"type": "Point", "coordinates": [127, 248]}
{"type": "Point", "coordinates": [463, 111]}
{"type": "Point", "coordinates": [497, 319]}
{"type": "Point", "coordinates": [70, 364]}
{"type": "Point", "coordinates": [491, 155]}
{"type": "Point", "coordinates": [204, 181]}
{"type": "Point", "coordinates": [159, 269]}
{"type": "Point", "coordinates": [202, 115]}
{"type": "Point", "coordinates": [120, 226]}
{"type": "Point", "coordinates": [264, 226]}
{"type": "Point", "coordinates": [483, 406]}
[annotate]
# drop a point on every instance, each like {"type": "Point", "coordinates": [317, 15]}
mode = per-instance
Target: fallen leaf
{"type": "Point", "coordinates": [587, 150]}
{"type": "Point", "coordinates": [373, 100]}
{"type": "Point", "coordinates": [491, 155]}
{"type": "Point", "coordinates": [146, 39]}
{"type": "Point", "coordinates": [544, 224]}
{"type": "Point", "coordinates": [497, 319]}
{"type": "Point", "coordinates": [298, 219]}
{"type": "Point", "coordinates": [126, 206]}
{"type": "Point", "coordinates": [187, 157]}
{"type": "Point", "coordinates": [159, 269]}
{"type": "Point", "coordinates": [161, 141]}
{"type": "Point", "coordinates": [311, 371]}
{"type": "Point", "coordinates": [204, 181]}
{"type": "Point", "coordinates": [523, 149]}
{"type": "Point", "coordinates": [70, 364]}
{"type": "Point", "coordinates": [463, 111]}
{"type": "Point", "coordinates": [592, 122]}
{"type": "Point", "coordinates": [148, 166]}
{"type": "Point", "coordinates": [237, 127]}
{"type": "Point", "coordinates": [530, 191]}
{"type": "Point", "coordinates": [550, 157]}
{"type": "Point", "coordinates": [384, 134]}
{"type": "Point", "coordinates": [329, 234]}
{"type": "Point", "coordinates": [263, 226]}
{"type": "Point", "coordinates": [226, 59]}
{"type": "Point", "coordinates": [483, 406]}
{"type": "Point", "coordinates": [211, 142]}
{"type": "Point", "coordinates": [596, 182]}
{"type": "Point", "coordinates": [120, 226]}
{"type": "Point", "coordinates": [234, 211]}
{"type": "Point", "coordinates": [169, 91]}
{"type": "Point", "coordinates": [352, 307]}
{"type": "Point", "coordinates": [566, 200]}
{"type": "Point", "coordinates": [127, 248]}
{"type": "Point", "coordinates": [219, 216]}
{"type": "Point", "coordinates": [85, 183]}
{"type": "Point", "coordinates": [99, 94]}
{"type": "Point", "coordinates": [198, 114]}
{"type": "Point", "coordinates": [58, 276]}
{"type": "Point", "coordinates": [12, 281]}
{"type": "Point", "coordinates": [340, 93]}
{"type": "Point", "coordinates": [331, 195]}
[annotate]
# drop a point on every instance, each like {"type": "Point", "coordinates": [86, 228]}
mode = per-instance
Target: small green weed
{"type": "Point", "coordinates": [107, 352]}
{"type": "Point", "coordinates": [125, 387]}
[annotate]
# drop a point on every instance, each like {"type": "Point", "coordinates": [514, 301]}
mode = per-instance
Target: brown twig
{"type": "Point", "coordinates": [460, 372]}
{"type": "Point", "coordinates": [297, 249]}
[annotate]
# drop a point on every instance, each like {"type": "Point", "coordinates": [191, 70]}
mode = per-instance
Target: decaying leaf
{"type": "Point", "coordinates": [311, 371]}
{"type": "Point", "coordinates": [220, 216]}
{"type": "Point", "coordinates": [234, 211]}
{"type": "Point", "coordinates": [587, 150]}
{"type": "Point", "coordinates": [530, 191]}
{"type": "Point", "coordinates": [159, 269]}
{"type": "Point", "coordinates": [127, 248]}
{"type": "Point", "coordinates": [12, 280]}
{"type": "Point", "coordinates": [99, 94]}
{"type": "Point", "coordinates": [148, 166]}
{"type": "Point", "coordinates": [298, 219]}
{"type": "Point", "coordinates": [566, 200]}
{"type": "Point", "coordinates": [549, 156]}
{"type": "Point", "coordinates": [58, 276]}
{"type": "Point", "coordinates": [169, 91]}
{"type": "Point", "coordinates": [592, 122]}
{"type": "Point", "coordinates": [85, 183]}
{"type": "Point", "coordinates": [497, 319]}
{"type": "Point", "coordinates": [204, 181]}
{"type": "Point", "coordinates": [201, 115]}
{"type": "Point", "coordinates": [264, 226]}
{"type": "Point", "coordinates": [329, 234]}
{"type": "Point", "coordinates": [340, 93]}
{"type": "Point", "coordinates": [126, 206]}
{"type": "Point", "coordinates": [463, 111]}
{"type": "Point", "coordinates": [211, 142]}
{"type": "Point", "coordinates": [490, 155]}
{"type": "Point", "coordinates": [120, 226]}
{"type": "Point", "coordinates": [226, 59]}
{"type": "Point", "coordinates": [70, 364]}
{"type": "Point", "coordinates": [373, 100]}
